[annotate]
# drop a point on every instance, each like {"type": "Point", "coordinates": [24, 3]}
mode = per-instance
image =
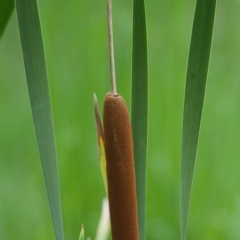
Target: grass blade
{"type": "Point", "coordinates": [102, 156]}
{"type": "Point", "coordinates": [139, 107]}
{"type": "Point", "coordinates": [6, 8]}
{"type": "Point", "coordinates": [103, 229]}
{"type": "Point", "coordinates": [194, 97]}
{"type": "Point", "coordinates": [37, 80]}
{"type": "Point", "coordinates": [81, 236]}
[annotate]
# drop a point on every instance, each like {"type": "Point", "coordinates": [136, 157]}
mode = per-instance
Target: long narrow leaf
{"type": "Point", "coordinates": [81, 236]}
{"type": "Point", "coordinates": [6, 8]}
{"type": "Point", "coordinates": [37, 80]}
{"type": "Point", "coordinates": [194, 97]}
{"type": "Point", "coordinates": [139, 107]}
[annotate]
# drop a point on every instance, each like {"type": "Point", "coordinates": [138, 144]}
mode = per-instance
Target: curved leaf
{"type": "Point", "coordinates": [37, 80]}
{"type": "Point", "coordinates": [100, 143]}
{"type": "Point", "coordinates": [139, 107]}
{"type": "Point", "coordinates": [81, 235]}
{"type": "Point", "coordinates": [6, 8]}
{"type": "Point", "coordinates": [194, 96]}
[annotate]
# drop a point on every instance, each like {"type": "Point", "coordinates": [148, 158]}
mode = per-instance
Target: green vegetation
{"type": "Point", "coordinates": [139, 108]}
{"type": "Point", "coordinates": [75, 41]}
{"type": "Point", "coordinates": [197, 71]}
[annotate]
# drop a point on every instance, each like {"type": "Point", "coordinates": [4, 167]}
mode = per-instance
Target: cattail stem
{"type": "Point", "coordinates": [111, 48]}
{"type": "Point", "coordinates": [118, 146]}
{"type": "Point", "coordinates": [120, 169]}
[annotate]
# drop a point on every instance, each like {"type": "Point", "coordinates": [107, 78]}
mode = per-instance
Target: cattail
{"type": "Point", "coordinates": [120, 169]}
{"type": "Point", "coordinates": [118, 145]}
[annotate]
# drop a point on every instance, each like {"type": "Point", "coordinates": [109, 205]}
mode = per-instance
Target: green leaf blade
{"type": "Point", "coordinates": [6, 8]}
{"type": "Point", "coordinates": [100, 134]}
{"type": "Point", "coordinates": [81, 236]}
{"type": "Point", "coordinates": [37, 80]}
{"type": "Point", "coordinates": [139, 107]}
{"type": "Point", "coordinates": [198, 62]}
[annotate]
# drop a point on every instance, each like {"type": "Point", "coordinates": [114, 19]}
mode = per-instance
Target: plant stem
{"type": "Point", "coordinates": [111, 48]}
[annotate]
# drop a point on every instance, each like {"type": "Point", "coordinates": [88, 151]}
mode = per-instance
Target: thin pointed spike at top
{"type": "Point", "coordinates": [100, 142]}
{"type": "Point", "coordinates": [111, 48]}
{"type": "Point", "coordinates": [97, 117]}
{"type": "Point", "coordinates": [81, 236]}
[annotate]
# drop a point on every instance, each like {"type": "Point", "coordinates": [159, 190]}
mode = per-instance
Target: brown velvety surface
{"type": "Point", "coordinates": [120, 169]}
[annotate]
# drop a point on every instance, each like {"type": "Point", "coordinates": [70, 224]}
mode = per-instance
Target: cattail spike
{"type": "Point", "coordinates": [120, 169]}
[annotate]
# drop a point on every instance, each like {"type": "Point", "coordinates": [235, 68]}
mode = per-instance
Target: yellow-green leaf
{"type": "Point", "coordinates": [100, 142]}
{"type": "Point", "coordinates": [81, 236]}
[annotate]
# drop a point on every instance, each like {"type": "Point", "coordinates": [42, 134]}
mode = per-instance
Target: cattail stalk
{"type": "Point", "coordinates": [111, 48]}
{"type": "Point", "coordinates": [120, 169]}
{"type": "Point", "coordinates": [118, 146]}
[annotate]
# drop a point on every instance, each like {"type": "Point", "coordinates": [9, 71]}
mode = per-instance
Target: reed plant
{"type": "Point", "coordinates": [164, 103]}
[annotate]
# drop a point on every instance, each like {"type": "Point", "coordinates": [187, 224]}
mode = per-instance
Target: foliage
{"type": "Point", "coordinates": [37, 80]}
{"type": "Point", "coordinates": [78, 66]}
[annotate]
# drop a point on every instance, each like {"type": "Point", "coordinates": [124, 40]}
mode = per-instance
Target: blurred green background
{"type": "Point", "coordinates": [76, 47]}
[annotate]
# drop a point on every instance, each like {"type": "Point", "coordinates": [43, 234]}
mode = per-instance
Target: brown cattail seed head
{"type": "Point", "coordinates": [120, 169]}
